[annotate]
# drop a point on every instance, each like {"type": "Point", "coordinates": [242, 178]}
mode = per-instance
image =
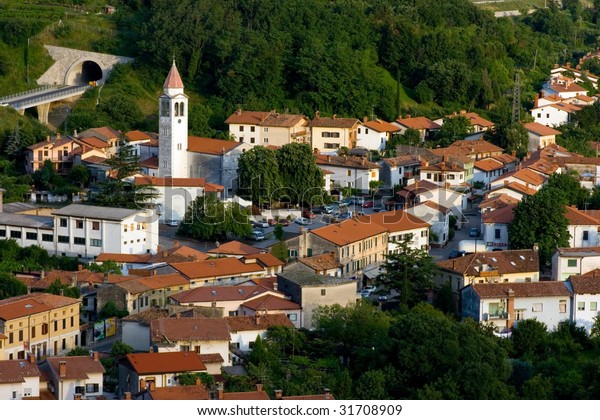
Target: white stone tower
{"type": "Point", "coordinates": [173, 128]}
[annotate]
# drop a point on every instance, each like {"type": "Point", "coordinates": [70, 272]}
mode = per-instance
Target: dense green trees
{"type": "Point", "coordinates": [258, 175]}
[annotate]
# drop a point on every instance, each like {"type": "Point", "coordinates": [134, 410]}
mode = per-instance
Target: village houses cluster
{"type": "Point", "coordinates": [192, 311]}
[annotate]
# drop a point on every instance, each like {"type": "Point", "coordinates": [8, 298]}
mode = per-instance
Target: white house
{"type": "Point", "coordinates": [554, 114]}
{"type": "Point", "coordinates": [86, 231]}
{"type": "Point", "coordinates": [565, 90]}
{"type": "Point", "coordinates": [245, 329]}
{"type": "Point", "coordinates": [374, 134]}
{"type": "Point", "coordinates": [505, 304]}
{"type": "Point", "coordinates": [426, 127]}
{"type": "Point", "coordinates": [540, 135]}
{"type": "Point", "coordinates": [74, 377]}
{"type": "Point", "coordinates": [19, 379]}
{"type": "Point", "coordinates": [486, 170]}
{"type": "Point", "coordinates": [272, 305]}
{"type": "Point", "coordinates": [574, 261]}
{"type": "Point", "coordinates": [527, 177]}
{"type": "Point", "coordinates": [401, 170]}
{"type": "Point", "coordinates": [199, 335]}
{"type": "Point", "coordinates": [401, 225]}
{"type": "Point", "coordinates": [495, 227]}
{"type": "Point", "coordinates": [445, 173]}
{"type": "Point", "coordinates": [349, 171]}
{"type": "Point", "coordinates": [422, 191]}
{"type": "Point", "coordinates": [586, 294]}
{"type": "Point", "coordinates": [582, 227]}
{"type": "Point", "coordinates": [438, 217]}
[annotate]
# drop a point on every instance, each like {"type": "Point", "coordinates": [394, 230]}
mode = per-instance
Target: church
{"type": "Point", "coordinates": [188, 166]}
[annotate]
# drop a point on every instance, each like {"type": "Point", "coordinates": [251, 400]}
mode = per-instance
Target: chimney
{"type": "Point", "coordinates": [152, 386]}
{"type": "Point", "coordinates": [327, 393]}
{"type": "Point", "coordinates": [536, 247]}
{"type": "Point", "coordinates": [275, 286]}
{"type": "Point", "coordinates": [259, 387]}
{"type": "Point", "coordinates": [128, 395]}
{"type": "Point", "coordinates": [75, 133]}
{"type": "Point", "coordinates": [158, 249]}
{"type": "Point", "coordinates": [198, 382]}
{"type": "Point", "coordinates": [96, 356]}
{"type": "Point", "coordinates": [426, 163]}
{"type": "Point", "coordinates": [278, 394]}
{"type": "Point", "coordinates": [463, 111]}
{"type": "Point", "coordinates": [443, 165]}
{"type": "Point", "coordinates": [257, 318]}
{"type": "Point", "coordinates": [328, 158]}
{"type": "Point", "coordinates": [31, 358]}
{"type": "Point", "coordinates": [175, 244]}
{"type": "Point", "coordinates": [317, 114]}
{"type": "Point", "coordinates": [165, 253]}
{"type": "Point", "coordinates": [447, 185]}
{"type": "Point", "coordinates": [568, 65]}
{"type": "Point", "coordinates": [239, 111]}
{"type": "Point", "coordinates": [105, 278]}
{"type": "Point", "coordinates": [42, 274]}
{"type": "Point", "coordinates": [535, 100]}
{"type": "Point", "coordinates": [334, 116]}
{"type": "Point", "coordinates": [506, 182]}
{"type": "Point", "coordinates": [151, 350]}
{"type": "Point", "coordinates": [513, 153]}
{"type": "Point", "coordinates": [142, 384]}
{"type": "Point", "coordinates": [365, 119]}
{"type": "Point", "coordinates": [528, 155]}
{"type": "Point", "coordinates": [74, 280]}
{"type": "Point", "coordinates": [57, 135]}
{"type": "Point", "coordinates": [178, 315]}
{"type": "Point", "coordinates": [555, 66]}
{"type": "Point", "coordinates": [79, 267]}
{"type": "Point", "coordinates": [407, 115]}
{"type": "Point", "coordinates": [62, 369]}
{"type": "Point", "coordinates": [47, 138]}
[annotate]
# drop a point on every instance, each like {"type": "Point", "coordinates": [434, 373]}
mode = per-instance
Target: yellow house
{"type": "Point", "coordinates": [38, 323]}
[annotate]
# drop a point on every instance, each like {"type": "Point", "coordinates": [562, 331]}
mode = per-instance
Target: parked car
{"type": "Point", "coordinates": [365, 293]}
{"type": "Point", "coordinates": [261, 224]}
{"type": "Point", "coordinates": [368, 203]}
{"type": "Point", "coordinates": [171, 223]}
{"type": "Point", "coordinates": [257, 235]}
{"type": "Point", "coordinates": [474, 232]}
{"type": "Point", "coordinates": [369, 289]}
{"type": "Point", "coordinates": [455, 253]}
{"type": "Point", "coordinates": [378, 207]}
{"type": "Point", "coordinates": [382, 298]}
{"type": "Point", "coordinates": [302, 221]}
{"type": "Point", "coordinates": [284, 222]}
{"type": "Point", "coordinates": [308, 214]}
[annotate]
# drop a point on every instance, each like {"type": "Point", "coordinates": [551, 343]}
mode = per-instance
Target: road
{"type": "Point", "coordinates": [474, 220]}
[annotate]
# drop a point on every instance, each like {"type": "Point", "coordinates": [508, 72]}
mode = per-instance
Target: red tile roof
{"type": "Point", "coordinates": [395, 220]}
{"type": "Point", "coordinates": [502, 262]}
{"type": "Point", "coordinates": [477, 146]}
{"type": "Point", "coordinates": [504, 215]}
{"type": "Point", "coordinates": [171, 362]}
{"type": "Point", "coordinates": [173, 80]}
{"type": "Point", "coordinates": [179, 393]}
{"type": "Point", "coordinates": [488, 165]}
{"type": "Point", "coordinates": [321, 262]}
{"type": "Point", "coordinates": [78, 367]}
{"type": "Point", "coordinates": [217, 267]}
{"type": "Point", "coordinates": [257, 322]}
{"type": "Point", "coordinates": [164, 330]}
{"type": "Point", "coordinates": [334, 122]}
{"type": "Point", "coordinates": [145, 284]}
{"type": "Point", "coordinates": [348, 231]}
{"type": "Point", "coordinates": [15, 371]}
{"type": "Point", "coordinates": [235, 248]}
{"type": "Point", "coordinates": [418, 123]}
{"type": "Point", "coordinates": [247, 117]}
{"type": "Point", "coordinates": [577, 217]}
{"type": "Point", "coordinates": [381, 126]}
{"type": "Point", "coordinates": [271, 302]}
{"type": "Point", "coordinates": [264, 259]}
{"type": "Point", "coordinates": [586, 284]}
{"type": "Point", "coordinates": [219, 294]}
{"type": "Point", "coordinates": [249, 396]}
{"type": "Point", "coordinates": [151, 162]}
{"type": "Point", "coordinates": [345, 162]}
{"type": "Point", "coordinates": [33, 303]}
{"type": "Point", "coordinates": [137, 135]}
{"type": "Point", "coordinates": [541, 129]}
{"type": "Point", "coordinates": [533, 289]}
{"type": "Point", "coordinates": [210, 146]}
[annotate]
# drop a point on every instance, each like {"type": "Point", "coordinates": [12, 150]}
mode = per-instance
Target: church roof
{"type": "Point", "coordinates": [173, 80]}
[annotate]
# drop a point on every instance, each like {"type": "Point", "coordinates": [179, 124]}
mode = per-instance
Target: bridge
{"type": "Point", "coordinates": [73, 72]}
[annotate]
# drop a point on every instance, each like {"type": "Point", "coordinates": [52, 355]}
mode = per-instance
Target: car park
{"type": "Point", "coordinates": [308, 214]}
{"type": "Point", "coordinates": [302, 221]}
{"type": "Point", "coordinates": [474, 232]}
{"type": "Point", "coordinates": [369, 289]}
{"type": "Point", "coordinates": [368, 203]}
{"type": "Point", "coordinates": [261, 224]}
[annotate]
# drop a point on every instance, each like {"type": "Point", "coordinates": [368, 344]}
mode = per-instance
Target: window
{"type": "Point", "coordinates": [293, 253]}
{"type": "Point", "coordinates": [571, 263]}
{"type": "Point", "coordinates": [494, 309]}
{"type": "Point", "coordinates": [44, 329]}
{"type": "Point", "coordinates": [537, 307]}
{"type": "Point", "coordinates": [233, 313]}
{"type": "Point", "coordinates": [181, 106]}
{"type": "Point", "coordinates": [593, 306]}
{"type": "Point", "coordinates": [89, 388]}
{"type": "Point", "coordinates": [63, 239]}
{"type": "Point", "coordinates": [266, 140]}
{"type": "Point", "coordinates": [96, 242]}
{"type": "Point", "coordinates": [79, 241]}
{"type": "Point", "coordinates": [241, 139]}
{"type": "Point", "coordinates": [11, 338]}
{"type": "Point", "coordinates": [95, 225]}
{"type": "Point", "coordinates": [64, 344]}
{"type": "Point", "coordinates": [46, 237]}
{"type": "Point", "coordinates": [323, 292]}
{"type": "Point", "coordinates": [32, 236]}
{"type": "Point", "coordinates": [20, 335]}
{"type": "Point", "coordinates": [562, 306]}
{"type": "Point", "coordinates": [349, 172]}
{"type": "Point", "coordinates": [293, 317]}
{"type": "Point", "coordinates": [496, 233]}
{"type": "Point", "coordinates": [72, 321]}
{"type": "Point", "coordinates": [241, 128]}
{"type": "Point", "coordinates": [252, 140]}
{"type": "Point", "coordinates": [428, 175]}
{"type": "Point", "coordinates": [539, 115]}
{"type": "Point", "coordinates": [15, 234]}
{"type": "Point", "coordinates": [78, 224]}
{"type": "Point", "coordinates": [585, 235]}
{"type": "Point", "coordinates": [125, 227]}
{"type": "Point", "coordinates": [3, 232]}
{"type": "Point", "coordinates": [63, 222]}
{"type": "Point", "coordinates": [33, 332]}
{"type": "Point", "coordinates": [55, 325]}
{"type": "Point", "coordinates": [252, 129]}
{"type": "Point", "coordinates": [184, 348]}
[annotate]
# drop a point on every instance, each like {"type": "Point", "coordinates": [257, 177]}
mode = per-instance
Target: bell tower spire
{"type": "Point", "coordinates": [173, 127]}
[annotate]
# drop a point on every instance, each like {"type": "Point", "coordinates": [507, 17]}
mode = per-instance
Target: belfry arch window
{"type": "Point", "coordinates": [181, 109]}
{"type": "Point", "coordinates": [176, 109]}
{"type": "Point", "coordinates": [164, 108]}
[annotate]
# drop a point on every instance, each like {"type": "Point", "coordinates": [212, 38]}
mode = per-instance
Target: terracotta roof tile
{"type": "Point", "coordinates": [210, 146]}
{"type": "Point", "coordinates": [588, 283]}
{"type": "Point", "coordinates": [381, 126]}
{"type": "Point", "coordinates": [151, 162]}
{"type": "Point", "coordinates": [249, 395]}
{"type": "Point", "coordinates": [15, 371]}
{"type": "Point", "coordinates": [321, 262]}
{"type": "Point", "coordinates": [137, 135]}
{"type": "Point", "coordinates": [488, 164]}
{"type": "Point", "coordinates": [395, 220]}
{"type": "Point", "coordinates": [504, 215]}
{"type": "Point", "coordinates": [503, 262]}
{"type": "Point", "coordinates": [264, 259]}
{"type": "Point", "coordinates": [212, 358]}
{"type": "Point", "coordinates": [578, 217]}
{"type": "Point", "coordinates": [345, 162]}
{"type": "Point", "coordinates": [173, 80]}
{"type": "Point", "coordinates": [348, 231]}
{"type": "Point", "coordinates": [161, 281]}
{"type": "Point", "coordinates": [271, 302]}
{"type": "Point", "coordinates": [247, 117]}
{"type": "Point", "coordinates": [235, 248]}
{"type": "Point", "coordinates": [171, 362]}
{"type": "Point", "coordinates": [477, 146]}
{"type": "Point", "coordinates": [219, 294]}
{"type": "Point", "coordinates": [275, 119]}
{"type": "Point", "coordinates": [541, 129]}
{"type": "Point", "coordinates": [334, 122]}
{"type": "Point", "coordinates": [257, 322]}
{"type": "Point", "coordinates": [188, 329]}
{"type": "Point", "coordinates": [78, 367]}
{"type": "Point", "coordinates": [530, 176]}
{"type": "Point", "coordinates": [179, 393]}
{"type": "Point", "coordinates": [169, 182]}
{"type": "Point", "coordinates": [217, 267]}
{"type": "Point", "coordinates": [418, 123]}
{"type": "Point", "coordinates": [533, 289]}
{"type": "Point", "coordinates": [33, 303]}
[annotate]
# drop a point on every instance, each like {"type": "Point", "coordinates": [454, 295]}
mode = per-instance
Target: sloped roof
{"type": "Point", "coordinates": [530, 176]}
{"type": "Point", "coordinates": [247, 117]}
{"type": "Point", "coordinates": [144, 284]}
{"type": "Point", "coordinates": [418, 123]}
{"type": "Point", "coordinates": [170, 362]}
{"type": "Point", "coordinates": [477, 146]}
{"type": "Point", "coordinates": [503, 215]}
{"type": "Point", "coordinates": [257, 322]}
{"type": "Point", "coordinates": [179, 393]}
{"type": "Point", "coordinates": [334, 122]}
{"type": "Point", "coordinates": [321, 262]}
{"type": "Point", "coordinates": [32, 303]}
{"type": "Point", "coordinates": [541, 129]}
{"type": "Point", "coordinates": [173, 80]}
{"type": "Point", "coordinates": [78, 367]}
{"type": "Point", "coordinates": [275, 119]}
{"type": "Point", "coordinates": [151, 162]}
{"type": "Point", "coordinates": [348, 231]}
{"type": "Point", "coordinates": [219, 294]}
{"type": "Point", "coordinates": [503, 262]}
{"type": "Point", "coordinates": [210, 146]}
{"type": "Point", "coordinates": [235, 248]}
{"type": "Point", "coordinates": [188, 329]}
{"type": "Point", "coordinates": [95, 212]}
{"type": "Point", "coordinates": [533, 289]}
{"type": "Point", "coordinates": [15, 371]}
{"type": "Point", "coordinates": [217, 267]}
{"type": "Point", "coordinates": [488, 164]}
{"type": "Point", "coordinates": [345, 162]}
{"type": "Point", "coordinates": [271, 302]}
{"type": "Point", "coordinates": [395, 220]}
{"type": "Point", "coordinates": [381, 126]}
{"type": "Point", "coordinates": [588, 283]}
{"type": "Point", "coordinates": [577, 217]}
{"type": "Point", "coordinates": [265, 259]}
{"type": "Point", "coordinates": [137, 135]}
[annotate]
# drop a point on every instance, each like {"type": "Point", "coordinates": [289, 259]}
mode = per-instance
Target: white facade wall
{"type": "Point", "coordinates": [67, 392]}
{"type": "Point", "coordinates": [174, 201]}
{"type": "Point", "coordinates": [495, 236]}
{"type": "Point", "coordinates": [564, 266]}
{"type": "Point", "coordinates": [441, 178]}
{"type": "Point", "coordinates": [206, 347]}
{"type": "Point", "coordinates": [18, 390]}
{"type": "Point", "coordinates": [454, 200]}
{"type": "Point", "coordinates": [486, 176]}
{"type": "Point", "coordinates": [420, 239]}
{"type": "Point", "coordinates": [536, 141]}
{"type": "Point", "coordinates": [440, 222]}
{"type": "Point", "coordinates": [244, 338]}
{"type": "Point", "coordinates": [550, 314]}
{"type": "Point", "coordinates": [173, 134]}
{"type": "Point", "coordinates": [550, 116]}
{"type": "Point", "coordinates": [371, 139]}
{"type": "Point", "coordinates": [352, 177]}
{"type": "Point", "coordinates": [330, 139]}
{"type": "Point", "coordinates": [580, 232]}
{"type": "Point", "coordinates": [585, 309]}
{"type": "Point", "coordinates": [248, 134]}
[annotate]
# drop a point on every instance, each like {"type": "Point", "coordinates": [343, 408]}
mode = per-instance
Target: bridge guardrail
{"type": "Point", "coordinates": [28, 92]}
{"type": "Point", "coordinates": [58, 93]}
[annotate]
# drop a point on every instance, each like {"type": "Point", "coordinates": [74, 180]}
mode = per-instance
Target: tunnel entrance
{"type": "Point", "coordinates": [84, 73]}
